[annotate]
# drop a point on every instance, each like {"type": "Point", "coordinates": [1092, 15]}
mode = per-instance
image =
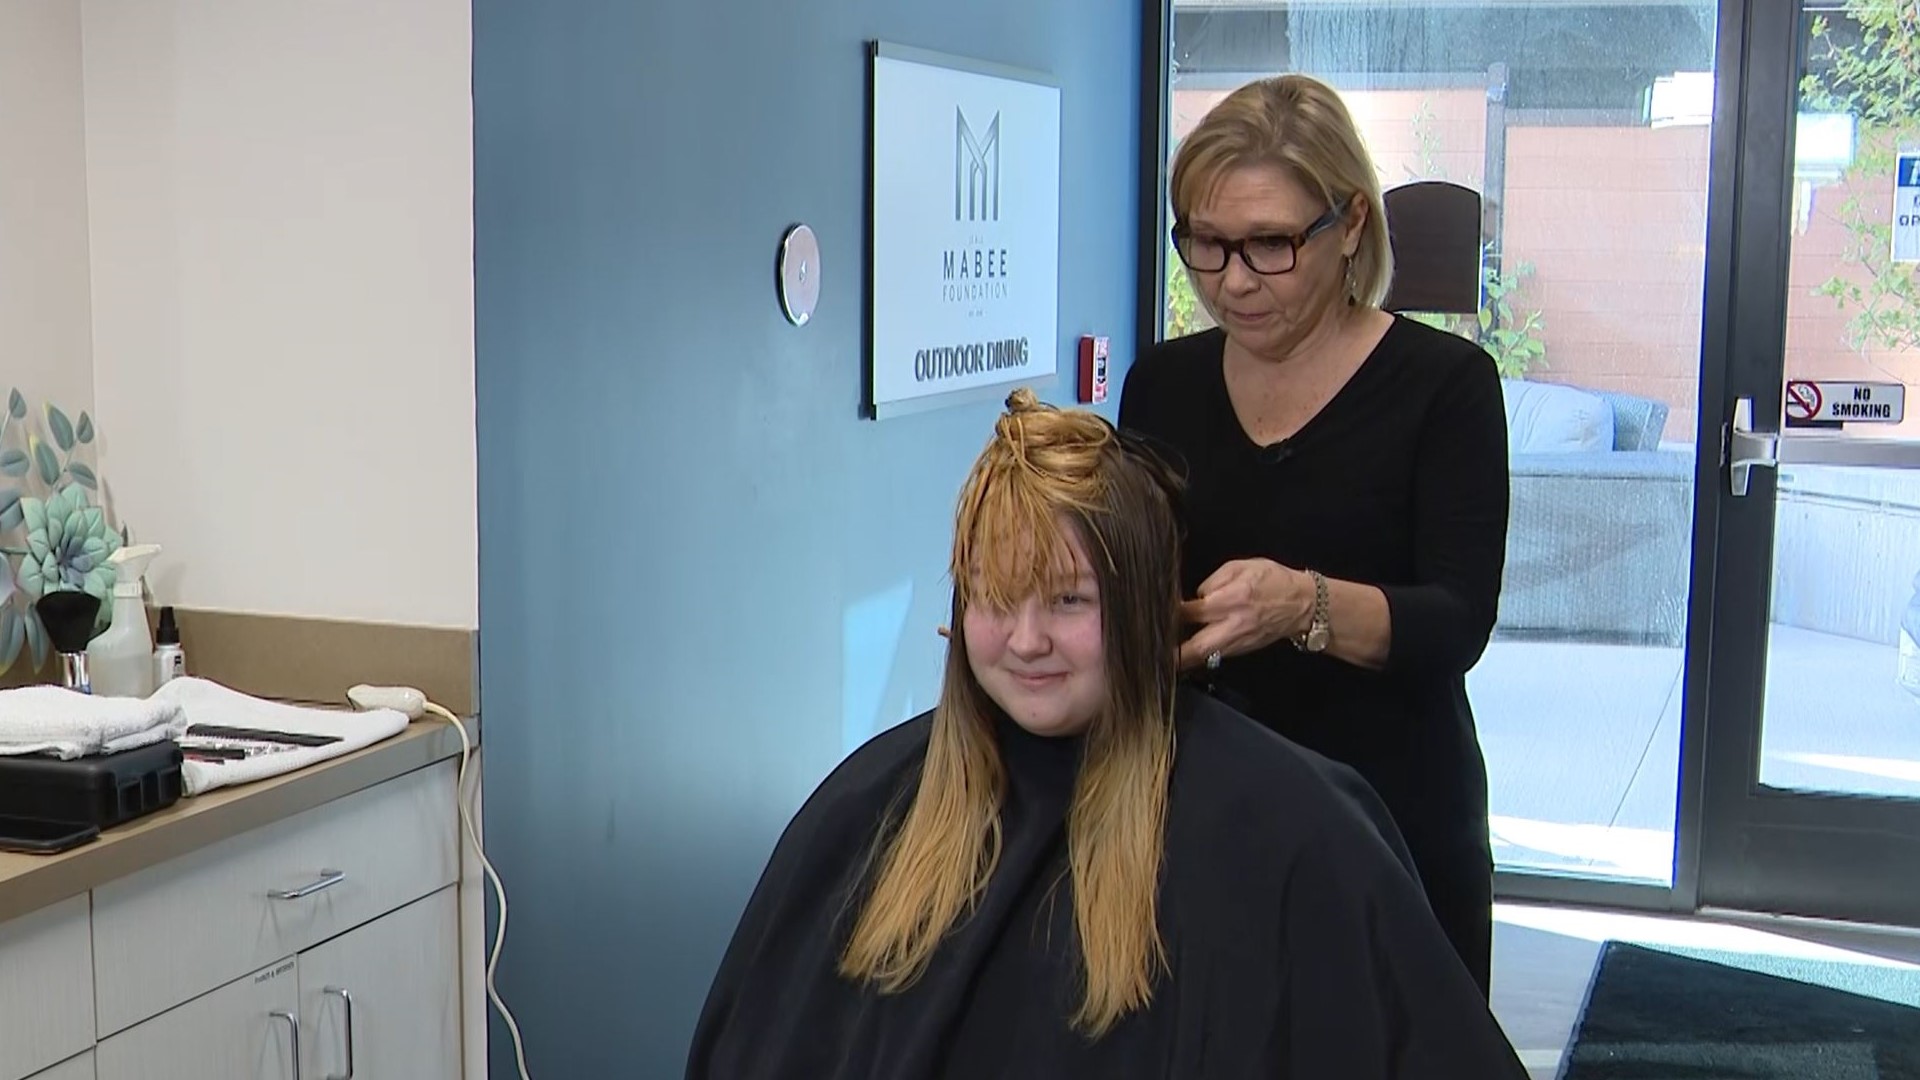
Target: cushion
{"type": "Point", "coordinates": [1638, 422]}
{"type": "Point", "coordinates": [1551, 418]}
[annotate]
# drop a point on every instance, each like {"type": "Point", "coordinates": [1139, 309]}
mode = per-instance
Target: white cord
{"type": "Point", "coordinates": [500, 890]}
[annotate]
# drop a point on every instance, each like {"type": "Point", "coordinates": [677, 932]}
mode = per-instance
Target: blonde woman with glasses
{"type": "Point", "coordinates": [1075, 866]}
{"type": "Point", "coordinates": [1347, 514]}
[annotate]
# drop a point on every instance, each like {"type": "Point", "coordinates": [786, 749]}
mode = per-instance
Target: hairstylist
{"type": "Point", "coordinates": [1347, 509]}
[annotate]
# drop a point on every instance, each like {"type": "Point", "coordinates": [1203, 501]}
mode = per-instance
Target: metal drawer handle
{"type": "Point", "coordinates": [293, 1027]}
{"type": "Point", "coordinates": [327, 880]}
{"type": "Point", "coordinates": [341, 993]}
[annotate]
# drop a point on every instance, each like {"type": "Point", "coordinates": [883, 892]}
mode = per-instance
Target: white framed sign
{"type": "Point", "coordinates": [1829, 401]}
{"type": "Point", "coordinates": [965, 230]}
{"type": "Point", "coordinates": [1906, 208]}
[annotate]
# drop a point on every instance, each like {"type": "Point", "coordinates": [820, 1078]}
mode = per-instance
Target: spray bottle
{"type": "Point", "coordinates": [121, 659]}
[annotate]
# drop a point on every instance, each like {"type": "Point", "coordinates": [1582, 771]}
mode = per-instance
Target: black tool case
{"type": "Point", "coordinates": [104, 790]}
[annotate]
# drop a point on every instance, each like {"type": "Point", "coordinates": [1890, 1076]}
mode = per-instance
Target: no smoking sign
{"type": "Point", "coordinates": [1803, 400]}
{"type": "Point", "coordinates": [1812, 401]}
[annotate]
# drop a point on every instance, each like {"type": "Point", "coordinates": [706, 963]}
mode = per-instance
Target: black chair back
{"type": "Point", "coordinates": [1434, 229]}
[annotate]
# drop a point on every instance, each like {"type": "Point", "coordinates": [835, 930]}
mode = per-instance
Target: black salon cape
{"type": "Point", "coordinates": [1299, 943]}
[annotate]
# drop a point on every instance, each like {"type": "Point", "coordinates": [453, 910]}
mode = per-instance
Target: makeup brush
{"type": "Point", "coordinates": [68, 616]}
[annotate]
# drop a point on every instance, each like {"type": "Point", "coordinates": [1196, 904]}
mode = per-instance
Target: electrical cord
{"type": "Point", "coordinates": [486, 867]}
{"type": "Point", "coordinates": [413, 704]}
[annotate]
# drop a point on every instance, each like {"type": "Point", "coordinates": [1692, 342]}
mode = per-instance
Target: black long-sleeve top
{"type": "Point", "coordinates": [1399, 482]}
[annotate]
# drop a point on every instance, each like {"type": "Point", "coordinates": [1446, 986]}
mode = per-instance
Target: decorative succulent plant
{"type": "Point", "coordinates": [53, 536]}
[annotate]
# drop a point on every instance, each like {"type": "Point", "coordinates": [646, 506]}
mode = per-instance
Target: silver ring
{"type": "Point", "coordinates": [1213, 660]}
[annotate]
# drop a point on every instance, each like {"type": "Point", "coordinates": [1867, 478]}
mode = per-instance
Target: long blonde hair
{"type": "Point", "coordinates": [1301, 125]}
{"type": "Point", "coordinates": [1045, 471]}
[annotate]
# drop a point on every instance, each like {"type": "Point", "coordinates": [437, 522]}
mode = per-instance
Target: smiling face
{"type": "Point", "coordinates": [1267, 314]}
{"type": "Point", "coordinates": [1043, 659]}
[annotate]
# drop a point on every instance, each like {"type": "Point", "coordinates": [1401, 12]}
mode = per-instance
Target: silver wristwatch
{"type": "Point", "coordinates": [1319, 633]}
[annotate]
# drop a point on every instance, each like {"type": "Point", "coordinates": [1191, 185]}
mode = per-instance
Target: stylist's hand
{"type": "Point", "coordinates": [1245, 606]}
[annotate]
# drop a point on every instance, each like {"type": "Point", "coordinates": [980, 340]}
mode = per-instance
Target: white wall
{"type": "Point", "coordinates": [280, 195]}
{"type": "Point", "coordinates": [45, 328]}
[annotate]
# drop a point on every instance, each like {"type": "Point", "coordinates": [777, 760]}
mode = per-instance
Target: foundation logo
{"type": "Point", "coordinates": [976, 170]}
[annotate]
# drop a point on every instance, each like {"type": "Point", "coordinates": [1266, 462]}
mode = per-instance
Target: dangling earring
{"type": "Point", "coordinates": [1353, 285]}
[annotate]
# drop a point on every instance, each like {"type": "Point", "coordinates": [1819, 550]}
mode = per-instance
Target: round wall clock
{"type": "Point", "coordinates": [798, 274]}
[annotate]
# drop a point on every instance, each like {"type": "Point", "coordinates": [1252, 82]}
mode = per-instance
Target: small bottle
{"type": "Point", "coordinates": [169, 659]}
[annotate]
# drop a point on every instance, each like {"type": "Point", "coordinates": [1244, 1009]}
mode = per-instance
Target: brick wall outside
{"type": "Point", "coordinates": [1614, 222]}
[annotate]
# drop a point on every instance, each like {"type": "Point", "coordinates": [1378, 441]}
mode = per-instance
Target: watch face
{"type": "Point", "coordinates": [1318, 638]}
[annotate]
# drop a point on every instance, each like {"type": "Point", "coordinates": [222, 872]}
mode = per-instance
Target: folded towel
{"type": "Point", "coordinates": [69, 724]}
{"type": "Point", "coordinates": [203, 702]}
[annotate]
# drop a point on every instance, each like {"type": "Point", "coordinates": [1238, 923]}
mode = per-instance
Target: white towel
{"type": "Point", "coordinates": [205, 702]}
{"type": "Point", "coordinates": [69, 724]}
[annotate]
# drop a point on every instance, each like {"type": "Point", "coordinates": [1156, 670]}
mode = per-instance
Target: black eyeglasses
{"type": "Point", "coordinates": [1271, 254]}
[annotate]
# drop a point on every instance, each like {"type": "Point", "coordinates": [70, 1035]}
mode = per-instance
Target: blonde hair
{"type": "Point", "coordinates": [1045, 471]}
{"type": "Point", "coordinates": [1301, 125]}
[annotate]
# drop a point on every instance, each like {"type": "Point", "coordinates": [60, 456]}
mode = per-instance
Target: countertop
{"type": "Point", "coordinates": [31, 882]}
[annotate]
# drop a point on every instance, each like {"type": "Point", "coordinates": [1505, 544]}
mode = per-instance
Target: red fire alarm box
{"type": "Point", "coordinates": [1093, 369]}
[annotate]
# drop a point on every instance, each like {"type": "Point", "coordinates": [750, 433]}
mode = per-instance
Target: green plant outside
{"type": "Point", "coordinates": [1877, 80]}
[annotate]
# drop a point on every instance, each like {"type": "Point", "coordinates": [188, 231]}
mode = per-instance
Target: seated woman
{"type": "Point", "coordinates": [1074, 866]}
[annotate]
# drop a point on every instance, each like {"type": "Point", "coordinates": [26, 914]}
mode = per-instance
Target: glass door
{"type": "Point", "coordinates": [1811, 801]}
{"type": "Point", "coordinates": [1586, 129]}
{"type": "Point", "coordinates": [1700, 226]}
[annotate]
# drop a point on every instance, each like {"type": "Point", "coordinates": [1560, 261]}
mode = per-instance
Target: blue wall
{"type": "Point", "coordinates": [702, 577]}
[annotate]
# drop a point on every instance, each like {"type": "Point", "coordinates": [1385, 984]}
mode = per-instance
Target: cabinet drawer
{"type": "Point", "coordinates": [78, 1068]}
{"type": "Point", "coordinates": [188, 925]}
{"type": "Point", "coordinates": [46, 991]}
{"type": "Point", "coordinates": [245, 1030]}
{"type": "Point", "coordinates": [397, 981]}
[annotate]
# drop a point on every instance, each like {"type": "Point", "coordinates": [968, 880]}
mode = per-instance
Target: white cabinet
{"type": "Point", "coordinates": [46, 988]}
{"type": "Point", "coordinates": [77, 1068]}
{"type": "Point", "coordinates": [379, 1001]}
{"type": "Point", "coordinates": [246, 1030]}
{"type": "Point", "coordinates": [384, 1000]}
{"type": "Point", "coordinates": [320, 946]}
{"type": "Point", "coordinates": [196, 922]}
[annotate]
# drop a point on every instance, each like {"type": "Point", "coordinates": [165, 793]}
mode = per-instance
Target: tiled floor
{"type": "Point", "coordinates": [1543, 958]}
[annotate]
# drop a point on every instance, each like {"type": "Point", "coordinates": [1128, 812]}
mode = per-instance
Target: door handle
{"type": "Point", "coordinates": [293, 1031]}
{"type": "Point", "coordinates": [1748, 449]}
{"type": "Point", "coordinates": [346, 999]}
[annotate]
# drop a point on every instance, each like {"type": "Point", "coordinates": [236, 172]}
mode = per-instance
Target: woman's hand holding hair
{"type": "Point", "coordinates": [1245, 606]}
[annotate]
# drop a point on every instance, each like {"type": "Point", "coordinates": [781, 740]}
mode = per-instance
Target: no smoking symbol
{"type": "Point", "coordinates": [1803, 401]}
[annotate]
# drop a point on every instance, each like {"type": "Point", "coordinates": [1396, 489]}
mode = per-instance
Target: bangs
{"type": "Point", "coordinates": [1015, 528]}
{"type": "Point", "coordinates": [1016, 543]}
